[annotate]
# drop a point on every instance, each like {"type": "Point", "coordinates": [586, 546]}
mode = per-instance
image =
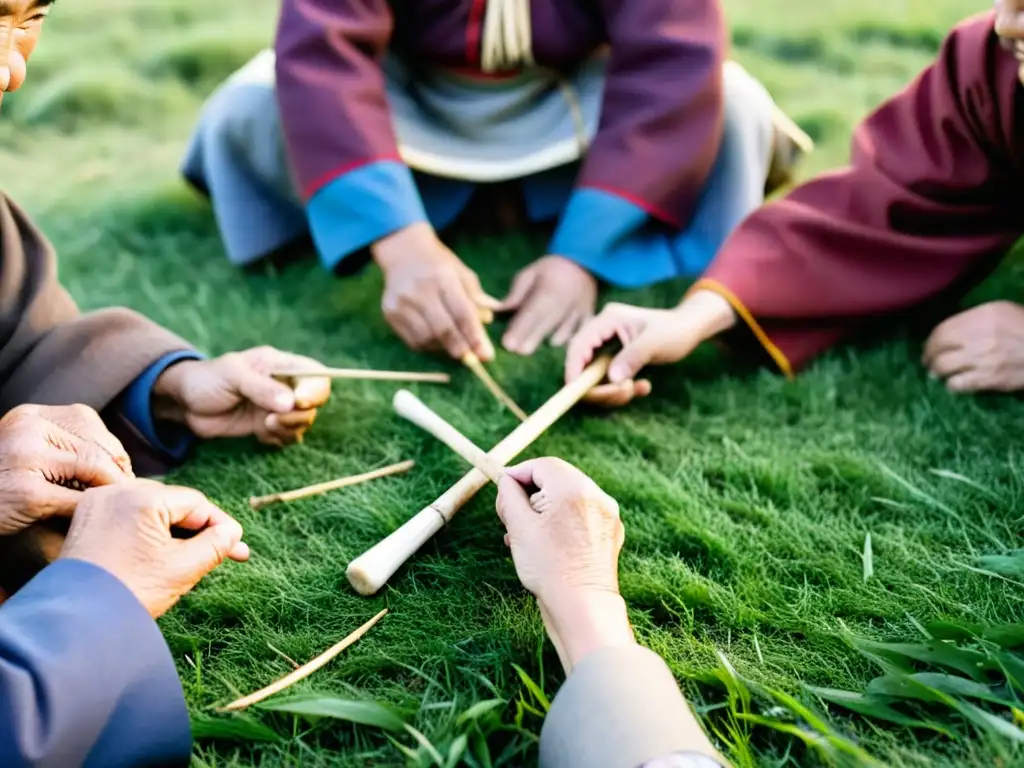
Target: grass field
{"type": "Point", "coordinates": [747, 499]}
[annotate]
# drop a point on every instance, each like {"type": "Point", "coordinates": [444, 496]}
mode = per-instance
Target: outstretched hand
{"type": "Point", "coordinates": [553, 297]}
{"type": "Point", "coordinates": [980, 349]}
{"type": "Point", "coordinates": [648, 337]}
{"type": "Point", "coordinates": [235, 395]}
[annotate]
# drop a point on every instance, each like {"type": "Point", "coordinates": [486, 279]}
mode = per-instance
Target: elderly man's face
{"type": "Point", "coordinates": [20, 24]}
{"type": "Point", "coordinates": [1010, 27]}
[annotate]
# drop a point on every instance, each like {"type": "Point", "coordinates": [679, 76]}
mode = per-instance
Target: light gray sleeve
{"type": "Point", "coordinates": [620, 708]}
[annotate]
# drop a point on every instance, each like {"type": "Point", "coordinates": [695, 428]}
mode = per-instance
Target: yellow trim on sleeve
{"type": "Point", "coordinates": [776, 354]}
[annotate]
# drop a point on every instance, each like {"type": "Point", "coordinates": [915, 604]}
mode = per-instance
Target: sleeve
{"type": "Point", "coordinates": [923, 210]}
{"type": "Point", "coordinates": [86, 677]}
{"type": "Point", "coordinates": [621, 706]}
{"type": "Point", "coordinates": [49, 353]}
{"type": "Point", "coordinates": [337, 126]}
{"type": "Point", "coordinates": [173, 440]}
{"type": "Point", "coordinates": [661, 123]}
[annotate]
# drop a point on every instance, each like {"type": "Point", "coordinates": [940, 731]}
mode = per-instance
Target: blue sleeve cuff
{"type": "Point", "coordinates": [360, 207]}
{"type": "Point", "coordinates": [137, 407]}
{"type": "Point", "coordinates": [620, 242]}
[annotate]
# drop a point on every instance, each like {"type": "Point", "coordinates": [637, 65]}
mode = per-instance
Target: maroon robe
{"type": "Point", "coordinates": [662, 113]}
{"type": "Point", "coordinates": [929, 202]}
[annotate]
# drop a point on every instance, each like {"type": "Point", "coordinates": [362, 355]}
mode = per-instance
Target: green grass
{"type": "Point", "coordinates": [747, 499]}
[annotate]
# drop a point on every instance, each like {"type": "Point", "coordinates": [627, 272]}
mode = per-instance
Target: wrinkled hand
{"type": "Point", "coordinates": [981, 349]}
{"type": "Point", "coordinates": [566, 535]}
{"type": "Point", "coordinates": [431, 299]}
{"type": "Point", "coordinates": [126, 530]}
{"type": "Point", "coordinates": [565, 540]}
{"type": "Point", "coordinates": [648, 337]}
{"type": "Point", "coordinates": [235, 396]}
{"type": "Point", "coordinates": [48, 455]}
{"type": "Point", "coordinates": [552, 297]}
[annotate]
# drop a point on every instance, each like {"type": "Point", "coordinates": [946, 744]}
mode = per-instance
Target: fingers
{"type": "Point", "coordinates": [542, 313]}
{"type": "Point", "coordinates": [190, 510]}
{"type": "Point", "coordinates": [444, 330]}
{"type": "Point", "coordinates": [951, 362]}
{"type": "Point", "coordinates": [588, 340]}
{"type": "Point", "coordinates": [281, 429]}
{"type": "Point", "coordinates": [81, 460]}
{"type": "Point", "coordinates": [513, 504]}
{"type": "Point", "coordinates": [86, 424]}
{"type": "Point", "coordinates": [522, 286]}
{"type": "Point", "coordinates": [193, 558]}
{"type": "Point", "coordinates": [633, 358]}
{"type": "Point", "coordinates": [263, 390]}
{"type": "Point", "coordinates": [466, 315]}
{"type": "Point", "coordinates": [541, 472]}
{"type": "Point", "coordinates": [47, 499]}
{"type": "Point", "coordinates": [411, 328]}
{"type": "Point", "coordinates": [942, 339]}
{"type": "Point", "coordinates": [618, 395]}
{"type": "Point", "coordinates": [567, 329]}
{"type": "Point", "coordinates": [966, 382]}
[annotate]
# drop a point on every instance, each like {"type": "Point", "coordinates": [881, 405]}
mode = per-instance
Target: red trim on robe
{"type": "Point", "coordinates": [322, 181]}
{"type": "Point", "coordinates": [653, 210]}
{"type": "Point", "coordinates": [474, 29]}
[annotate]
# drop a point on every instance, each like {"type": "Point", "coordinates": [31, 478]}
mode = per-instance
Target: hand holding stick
{"type": "Point", "coordinates": [369, 572]}
{"type": "Point", "coordinates": [472, 362]}
{"type": "Point", "coordinates": [410, 407]}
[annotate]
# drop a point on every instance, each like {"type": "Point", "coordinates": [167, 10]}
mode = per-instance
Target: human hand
{"type": "Point", "coordinates": [235, 395]}
{"type": "Point", "coordinates": [648, 336]}
{"type": "Point", "coordinates": [48, 455]}
{"type": "Point", "coordinates": [552, 297]}
{"type": "Point", "coordinates": [431, 299]}
{"type": "Point", "coordinates": [565, 540]}
{"type": "Point", "coordinates": [980, 349]}
{"type": "Point", "coordinates": [1010, 28]}
{"type": "Point", "coordinates": [126, 530]}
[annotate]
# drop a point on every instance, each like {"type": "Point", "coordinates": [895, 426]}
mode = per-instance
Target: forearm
{"type": "Point", "coordinates": [620, 703]}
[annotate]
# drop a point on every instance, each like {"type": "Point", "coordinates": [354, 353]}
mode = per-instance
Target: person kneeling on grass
{"type": "Point", "coordinates": [621, 706]}
{"type": "Point", "coordinates": [374, 122]}
{"type": "Point", "coordinates": [154, 392]}
{"type": "Point", "coordinates": [928, 206]}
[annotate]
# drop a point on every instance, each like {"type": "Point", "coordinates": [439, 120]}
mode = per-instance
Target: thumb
{"type": "Point", "coordinates": [264, 391]}
{"type": "Point", "coordinates": [513, 506]}
{"type": "Point", "coordinates": [193, 558]}
{"type": "Point", "coordinates": [633, 357]}
{"type": "Point", "coordinates": [521, 287]}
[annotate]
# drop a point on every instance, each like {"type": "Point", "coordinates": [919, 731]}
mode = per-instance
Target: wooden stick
{"type": "Point", "coordinates": [258, 502]}
{"type": "Point", "coordinates": [410, 407]}
{"type": "Point", "coordinates": [369, 572]}
{"type": "Point", "coordinates": [304, 671]}
{"type": "Point", "coordinates": [363, 373]}
{"type": "Point", "coordinates": [472, 362]}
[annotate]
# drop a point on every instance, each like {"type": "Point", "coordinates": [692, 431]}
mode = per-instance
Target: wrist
{"type": "Point", "coordinates": [168, 398]}
{"type": "Point", "coordinates": [394, 249]}
{"type": "Point", "coordinates": [707, 311]}
{"type": "Point", "coordinates": [585, 620]}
